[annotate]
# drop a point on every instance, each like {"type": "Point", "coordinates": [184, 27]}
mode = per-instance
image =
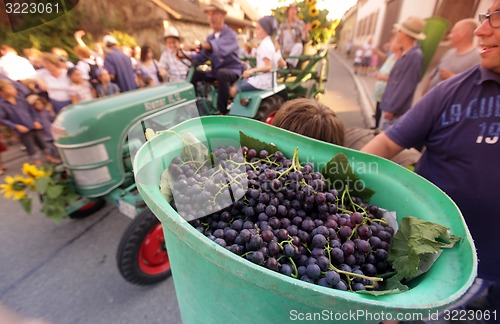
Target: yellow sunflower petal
{"type": "Point", "coordinates": [315, 24]}
{"type": "Point", "coordinates": [313, 12]}
{"type": "Point", "coordinates": [32, 171]}
{"type": "Point", "coordinates": [29, 182]}
{"type": "Point", "coordinates": [18, 195]}
{"type": "Point", "coordinates": [9, 179]}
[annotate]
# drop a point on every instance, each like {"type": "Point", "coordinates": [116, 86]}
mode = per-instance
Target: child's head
{"type": "Point", "coordinates": [172, 39]}
{"type": "Point", "coordinates": [7, 89]}
{"type": "Point", "coordinates": [103, 76]}
{"type": "Point", "coordinates": [37, 102]}
{"type": "Point", "coordinates": [75, 76]}
{"type": "Point", "coordinates": [310, 118]}
{"type": "Point", "coordinates": [266, 26]}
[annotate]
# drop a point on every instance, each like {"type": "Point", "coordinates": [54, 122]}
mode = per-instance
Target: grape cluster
{"type": "Point", "coordinates": [280, 214]}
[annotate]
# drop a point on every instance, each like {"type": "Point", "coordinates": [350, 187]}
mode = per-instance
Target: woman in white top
{"type": "Point", "coordinates": [266, 59]}
{"type": "Point", "coordinates": [53, 79]}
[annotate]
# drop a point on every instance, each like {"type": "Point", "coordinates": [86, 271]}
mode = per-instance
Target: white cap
{"type": "Point", "coordinates": [171, 32]}
{"type": "Point", "coordinates": [108, 39]}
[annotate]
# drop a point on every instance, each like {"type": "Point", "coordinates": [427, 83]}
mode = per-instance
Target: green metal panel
{"type": "Point", "coordinates": [214, 285]}
{"type": "Point", "coordinates": [255, 98]}
{"type": "Point", "coordinates": [91, 136]}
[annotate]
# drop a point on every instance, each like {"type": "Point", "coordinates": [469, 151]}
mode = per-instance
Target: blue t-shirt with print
{"type": "Point", "coordinates": [459, 123]}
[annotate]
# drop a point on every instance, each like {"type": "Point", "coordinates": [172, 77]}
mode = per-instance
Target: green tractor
{"type": "Point", "coordinates": [97, 142]}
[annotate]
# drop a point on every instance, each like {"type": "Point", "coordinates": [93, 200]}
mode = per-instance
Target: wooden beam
{"type": "Point", "coordinates": [169, 10]}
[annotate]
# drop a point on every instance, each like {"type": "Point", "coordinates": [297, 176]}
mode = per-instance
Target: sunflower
{"type": "Point", "coordinates": [32, 171]}
{"type": "Point", "coordinates": [315, 24]}
{"type": "Point", "coordinates": [15, 187]}
{"type": "Point", "coordinates": [311, 3]}
{"type": "Point", "coordinates": [313, 11]}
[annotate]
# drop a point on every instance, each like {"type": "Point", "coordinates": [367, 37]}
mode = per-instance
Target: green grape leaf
{"type": "Point", "coordinates": [339, 174]}
{"type": "Point", "coordinates": [165, 183]}
{"type": "Point", "coordinates": [258, 145]}
{"type": "Point", "coordinates": [194, 150]}
{"type": "Point", "coordinates": [416, 246]}
{"type": "Point", "coordinates": [41, 184]}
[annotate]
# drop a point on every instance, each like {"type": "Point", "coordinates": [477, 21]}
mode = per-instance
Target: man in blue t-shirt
{"type": "Point", "coordinates": [405, 74]}
{"type": "Point", "coordinates": [458, 121]}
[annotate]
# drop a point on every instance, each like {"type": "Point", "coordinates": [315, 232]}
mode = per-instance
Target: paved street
{"type": "Point", "coordinates": [67, 273]}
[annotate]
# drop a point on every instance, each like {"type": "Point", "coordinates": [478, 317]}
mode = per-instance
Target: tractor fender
{"type": "Point", "coordinates": [248, 103]}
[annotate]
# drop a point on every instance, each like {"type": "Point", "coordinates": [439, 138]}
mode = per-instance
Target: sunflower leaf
{"type": "Point", "coordinates": [54, 191]}
{"type": "Point", "coordinates": [41, 184]}
{"type": "Point", "coordinates": [26, 204]}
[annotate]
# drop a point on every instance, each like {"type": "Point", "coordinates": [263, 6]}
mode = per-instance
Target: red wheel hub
{"type": "Point", "coordinates": [153, 257]}
{"type": "Point", "coordinates": [87, 206]}
{"type": "Point", "coordinates": [269, 119]}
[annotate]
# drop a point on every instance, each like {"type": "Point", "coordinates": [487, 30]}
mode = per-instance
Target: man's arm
{"type": "Point", "coordinates": [383, 146]}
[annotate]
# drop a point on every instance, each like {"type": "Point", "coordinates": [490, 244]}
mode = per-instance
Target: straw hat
{"type": "Point", "coordinates": [171, 32]}
{"type": "Point", "coordinates": [413, 27]}
{"type": "Point", "coordinates": [215, 5]}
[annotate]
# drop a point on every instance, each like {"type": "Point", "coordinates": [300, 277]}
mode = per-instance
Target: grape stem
{"type": "Point", "coordinates": [347, 274]}
{"type": "Point", "coordinates": [295, 164]}
{"type": "Point", "coordinates": [295, 273]}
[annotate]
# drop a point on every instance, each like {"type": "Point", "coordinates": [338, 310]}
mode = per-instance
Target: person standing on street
{"type": "Point", "coordinates": [406, 73]}
{"type": "Point", "coordinates": [461, 57]}
{"type": "Point", "coordinates": [119, 65]}
{"type": "Point", "coordinates": [459, 123]}
{"type": "Point", "coordinates": [292, 34]}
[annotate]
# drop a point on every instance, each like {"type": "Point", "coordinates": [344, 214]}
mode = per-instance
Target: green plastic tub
{"type": "Point", "coordinates": [214, 285]}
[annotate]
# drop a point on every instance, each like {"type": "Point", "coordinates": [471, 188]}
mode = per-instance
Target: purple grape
{"type": "Point", "coordinates": [332, 277]}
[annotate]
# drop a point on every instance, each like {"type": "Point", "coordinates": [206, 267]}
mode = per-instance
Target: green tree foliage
{"type": "Point", "coordinates": [54, 33]}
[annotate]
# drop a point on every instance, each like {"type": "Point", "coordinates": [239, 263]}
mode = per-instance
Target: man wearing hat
{"type": "Point", "coordinates": [118, 65]}
{"type": "Point", "coordinates": [222, 49]}
{"type": "Point", "coordinates": [176, 69]}
{"type": "Point", "coordinates": [291, 34]}
{"type": "Point", "coordinates": [406, 73]}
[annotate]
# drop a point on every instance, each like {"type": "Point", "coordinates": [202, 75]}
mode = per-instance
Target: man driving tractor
{"type": "Point", "coordinates": [222, 49]}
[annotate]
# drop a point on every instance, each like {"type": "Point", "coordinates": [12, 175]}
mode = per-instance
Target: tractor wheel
{"type": "Point", "coordinates": [268, 106]}
{"type": "Point", "coordinates": [88, 209]}
{"type": "Point", "coordinates": [142, 255]}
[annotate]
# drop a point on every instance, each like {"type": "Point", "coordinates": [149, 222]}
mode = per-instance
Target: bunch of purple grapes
{"type": "Point", "coordinates": [283, 216]}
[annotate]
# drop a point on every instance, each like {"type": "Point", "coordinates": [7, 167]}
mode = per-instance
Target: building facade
{"type": "Point", "coordinates": [374, 19]}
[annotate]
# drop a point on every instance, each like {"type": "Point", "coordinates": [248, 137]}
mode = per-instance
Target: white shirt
{"type": "Point", "coordinates": [16, 67]}
{"type": "Point", "coordinates": [57, 88]}
{"type": "Point", "coordinates": [267, 50]}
